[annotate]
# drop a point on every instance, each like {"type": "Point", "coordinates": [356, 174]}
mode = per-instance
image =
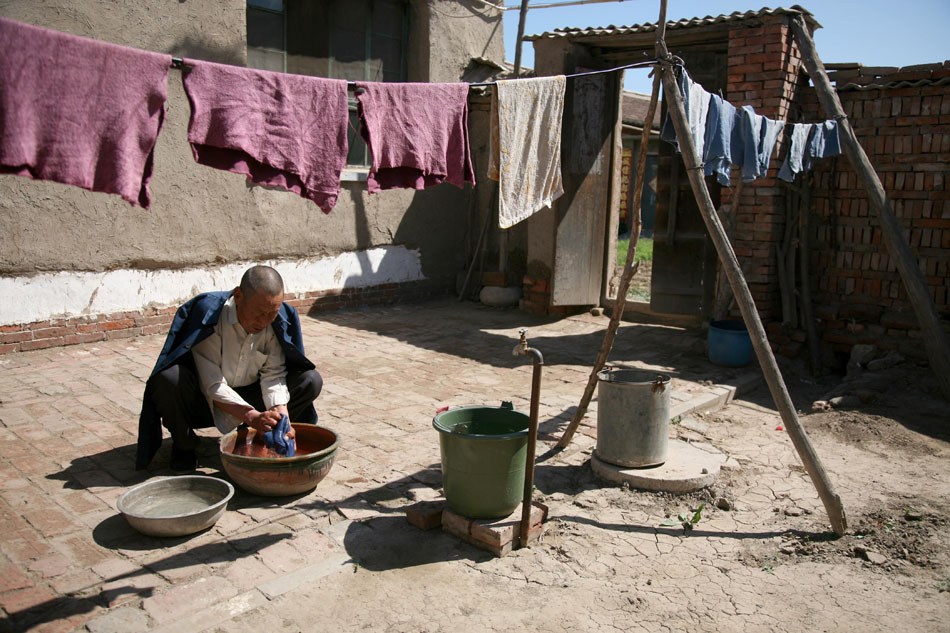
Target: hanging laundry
{"type": "Point", "coordinates": [756, 138]}
{"type": "Point", "coordinates": [824, 142]}
{"type": "Point", "coordinates": [277, 129]}
{"type": "Point", "coordinates": [80, 112]}
{"type": "Point", "coordinates": [810, 141]}
{"type": "Point", "coordinates": [796, 151]}
{"type": "Point", "coordinates": [524, 153]}
{"type": "Point", "coordinates": [417, 134]}
{"type": "Point", "coordinates": [696, 102]}
{"type": "Point", "coordinates": [720, 124]}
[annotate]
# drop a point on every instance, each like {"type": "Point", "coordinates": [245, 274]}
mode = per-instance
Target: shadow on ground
{"type": "Point", "coordinates": [472, 337]}
{"type": "Point", "coordinates": [675, 531]}
{"type": "Point", "coordinates": [135, 583]}
{"type": "Point", "coordinates": [391, 542]}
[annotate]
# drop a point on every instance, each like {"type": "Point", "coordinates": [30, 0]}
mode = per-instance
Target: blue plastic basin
{"type": "Point", "coordinates": [729, 343]}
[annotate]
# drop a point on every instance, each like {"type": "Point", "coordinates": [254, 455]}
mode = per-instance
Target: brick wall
{"type": "Point", "coordinates": [107, 327]}
{"type": "Point", "coordinates": [763, 72]}
{"type": "Point", "coordinates": [536, 298]}
{"type": "Point", "coordinates": [905, 130]}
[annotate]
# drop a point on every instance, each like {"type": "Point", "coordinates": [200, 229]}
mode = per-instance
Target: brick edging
{"type": "Point", "coordinates": [26, 337]}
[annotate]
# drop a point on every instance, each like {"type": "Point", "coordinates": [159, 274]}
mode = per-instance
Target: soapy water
{"type": "Point", "coordinates": [183, 503]}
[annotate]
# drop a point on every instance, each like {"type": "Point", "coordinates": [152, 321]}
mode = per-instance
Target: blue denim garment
{"type": "Point", "coordinates": [744, 134]}
{"type": "Point", "coordinates": [823, 143]}
{"type": "Point", "coordinates": [796, 151]}
{"type": "Point", "coordinates": [275, 438]}
{"type": "Point", "coordinates": [668, 133]}
{"type": "Point", "coordinates": [758, 135]}
{"type": "Point", "coordinates": [696, 103]}
{"type": "Point", "coordinates": [818, 140]}
{"type": "Point", "coordinates": [719, 127]}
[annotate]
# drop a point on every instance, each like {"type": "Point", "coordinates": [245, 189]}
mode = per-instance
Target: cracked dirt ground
{"type": "Point", "coordinates": [605, 564]}
{"type": "Point", "coordinates": [344, 557]}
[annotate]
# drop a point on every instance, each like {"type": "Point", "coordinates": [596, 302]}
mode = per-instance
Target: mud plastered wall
{"type": "Point", "coordinates": [70, 258]}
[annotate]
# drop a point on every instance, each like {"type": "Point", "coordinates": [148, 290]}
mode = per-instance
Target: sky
{"type": "Point", "coordinates": [870, 32]}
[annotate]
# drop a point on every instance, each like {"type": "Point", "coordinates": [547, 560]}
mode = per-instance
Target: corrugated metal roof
{"type": "Point", "coordinates": [858, 77]}
{"type": "Point", "coordinates": [737, 16]}
{"type": "Point", "coordinates": [920, 83]}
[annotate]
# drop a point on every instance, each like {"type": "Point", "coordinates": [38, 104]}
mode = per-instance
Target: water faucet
{"type": "Point", "coordinates": [521, 349]}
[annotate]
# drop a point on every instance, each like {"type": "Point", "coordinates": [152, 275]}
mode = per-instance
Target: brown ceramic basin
{"type": "Point", "coordinates": [281, 476]}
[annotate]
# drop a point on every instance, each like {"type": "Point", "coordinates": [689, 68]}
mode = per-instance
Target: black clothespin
{"type": "Point", "coordinates": [179, 63]}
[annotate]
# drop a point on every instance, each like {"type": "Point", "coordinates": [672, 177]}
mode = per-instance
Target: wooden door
{"type": "Point", "coordinates": [590, 112]}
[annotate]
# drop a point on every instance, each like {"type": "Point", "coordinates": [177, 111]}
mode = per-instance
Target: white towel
{"type": "Point", "coordinates": [698, 104]}
{"type": "Point", "coordinates": [525, 145]}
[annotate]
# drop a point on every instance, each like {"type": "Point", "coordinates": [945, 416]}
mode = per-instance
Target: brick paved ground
{"type": "Point", "coordinates": [68, 422]}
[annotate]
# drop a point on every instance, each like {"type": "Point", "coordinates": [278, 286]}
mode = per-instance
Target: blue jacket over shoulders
{"type": "Point", "coordinates": [195, 321]}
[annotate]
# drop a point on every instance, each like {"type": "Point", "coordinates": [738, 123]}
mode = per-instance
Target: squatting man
{"type": "Point", "coordinates": [231, 358]}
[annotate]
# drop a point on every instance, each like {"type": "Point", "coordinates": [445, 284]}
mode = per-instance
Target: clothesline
{"type": "Point", "coordinates": [726, 136]}
{"type": "Point", "coordinates": [232, 104]}
{"type": "Point", "coordinates": [179, 64]}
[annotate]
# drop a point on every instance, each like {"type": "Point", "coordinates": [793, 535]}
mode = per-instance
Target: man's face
{"type": "Point", "coordinates": [256, 311]}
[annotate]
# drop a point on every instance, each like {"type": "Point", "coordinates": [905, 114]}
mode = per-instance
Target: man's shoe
{"type": "Point", "coordinates": [183, 461]}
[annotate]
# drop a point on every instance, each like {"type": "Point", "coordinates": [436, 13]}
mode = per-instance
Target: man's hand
{"type": "Point", "coordinates": [281, 409]}
{"type": "Point", "coordinates": [262, 421]}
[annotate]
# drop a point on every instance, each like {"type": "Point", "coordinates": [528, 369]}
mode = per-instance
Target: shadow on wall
{"type": "Point", "coordinates": [428, 243]}
{"type": "Point", "coordinates": [437, 223]}
{"type": "Point", "coordinates": [200, 50]}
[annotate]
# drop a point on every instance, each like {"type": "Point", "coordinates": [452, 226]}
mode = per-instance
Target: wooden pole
{"type": "Point", "coordinates": [522, 15]}
{"type": "Point", "coordinates": [750, 314]}
{"type": "Point", "coordinates": [808, 313]}
{"type": "Point", "coordinates": [727, 215]}
{"type": "Point", "coordinates": [503, 233]}
{"type": "Point", "coordinates": [934, 338]}
{"type": "Point", "coordinates": [629, 270]}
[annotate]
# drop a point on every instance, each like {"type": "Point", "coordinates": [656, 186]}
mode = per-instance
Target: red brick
{"type": "Point", "coordinates": [11, 577]}
{"type": "Point", "coordinates": [190, 598]}
{"type": "Point", "coordinates": [53, 332]}
{"type": "Point", "coordinates": [16, 337]}
{"type": "Point", "coordinates": [746, 69]}
{"type": "Point", "coordinates": [118, 334]}
{"type": "Point", "coordinates": [51, 566]}
{"type": "Point", "coordinates": [426, 515]}
{"type": "Point", "coordinates": [48, 521]}
{"type": "Point", "coordinates": [119, 324]}
{"type": "Point", "coordinates": [25, 599]}
{"type": "Point", "coordinates": [49, 342]}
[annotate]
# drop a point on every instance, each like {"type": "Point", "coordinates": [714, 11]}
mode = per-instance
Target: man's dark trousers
{"type": "Point", "coordinates": [176, 393]}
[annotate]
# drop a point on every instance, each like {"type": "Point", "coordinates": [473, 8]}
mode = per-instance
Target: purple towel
{"type": "Point", "coordinates": [277, 129]}
{"type": "Point", "coordinates": [417, 134]}
{"type": "Point", "coordinates": [78, 111]}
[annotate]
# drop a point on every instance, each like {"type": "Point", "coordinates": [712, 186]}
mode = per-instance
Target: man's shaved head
{"type": "Point", "coordinates": [261, 279]}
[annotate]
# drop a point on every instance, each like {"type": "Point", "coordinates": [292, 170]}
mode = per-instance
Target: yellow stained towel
{"type": "Point", "coordinates": [525, 145]}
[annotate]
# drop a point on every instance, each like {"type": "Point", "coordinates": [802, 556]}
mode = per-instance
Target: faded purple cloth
{"type": "Point", "coordinates": [417, 134]}
{"type": "Point", "coordinates": [78, 111]}
{"type": "Point", "coordinates": [282, 130]}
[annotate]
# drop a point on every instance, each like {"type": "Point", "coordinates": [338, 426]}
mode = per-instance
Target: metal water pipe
{"type": "Point", "coordinates": [522, 349]}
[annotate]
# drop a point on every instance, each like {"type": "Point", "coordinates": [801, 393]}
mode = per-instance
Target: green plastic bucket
{"type": "Point", "coordinates": [484, 451]}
